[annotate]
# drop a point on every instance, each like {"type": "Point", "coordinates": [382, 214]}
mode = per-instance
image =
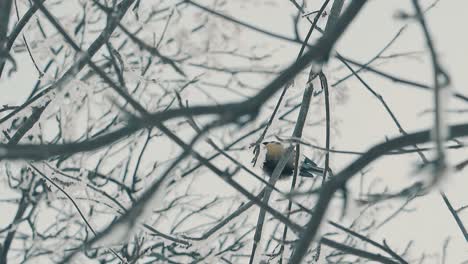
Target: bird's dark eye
{"type": "Point", "coordinates": [265, 143]}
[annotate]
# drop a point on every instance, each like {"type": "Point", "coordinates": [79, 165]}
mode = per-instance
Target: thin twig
{"type": "Point", "coordinates": [455, 216]}
{"type": "Point", "coordinates": [324, 83]}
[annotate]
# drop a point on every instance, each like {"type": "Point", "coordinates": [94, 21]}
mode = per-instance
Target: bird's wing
{"type": "Point", "coordinates": [310, 168]}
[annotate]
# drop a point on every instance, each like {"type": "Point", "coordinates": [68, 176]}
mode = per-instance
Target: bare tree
{"type": "Point", "coordinates": [140, 140]}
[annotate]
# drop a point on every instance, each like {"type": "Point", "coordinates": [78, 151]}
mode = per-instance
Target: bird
{"type": "Point", "coordinates": [274, 152]}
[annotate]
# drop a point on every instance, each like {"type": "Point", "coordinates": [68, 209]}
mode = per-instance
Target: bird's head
{"type": "Point", "coordinates": [274, 150]}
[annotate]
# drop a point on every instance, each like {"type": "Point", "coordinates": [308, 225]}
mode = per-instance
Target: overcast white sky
{"type": "Point", "coordinates": [361, 121]}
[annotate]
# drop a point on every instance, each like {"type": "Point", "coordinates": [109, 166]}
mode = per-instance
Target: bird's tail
{"type": "Point", "coordinates": [310, 169]}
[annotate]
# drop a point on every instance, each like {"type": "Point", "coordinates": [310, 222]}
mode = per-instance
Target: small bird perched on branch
{"type": "Point", "coordinates": [274, 152]}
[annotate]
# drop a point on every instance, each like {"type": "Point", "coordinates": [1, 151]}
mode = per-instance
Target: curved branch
{"type": "Point", "coordinates": [318, 54]}
{"type": "Point", "coordinates": [341, 179]}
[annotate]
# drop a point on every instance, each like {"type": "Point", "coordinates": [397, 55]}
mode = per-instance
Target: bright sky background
{"type": "Point", "coordinates": [361, 121]}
